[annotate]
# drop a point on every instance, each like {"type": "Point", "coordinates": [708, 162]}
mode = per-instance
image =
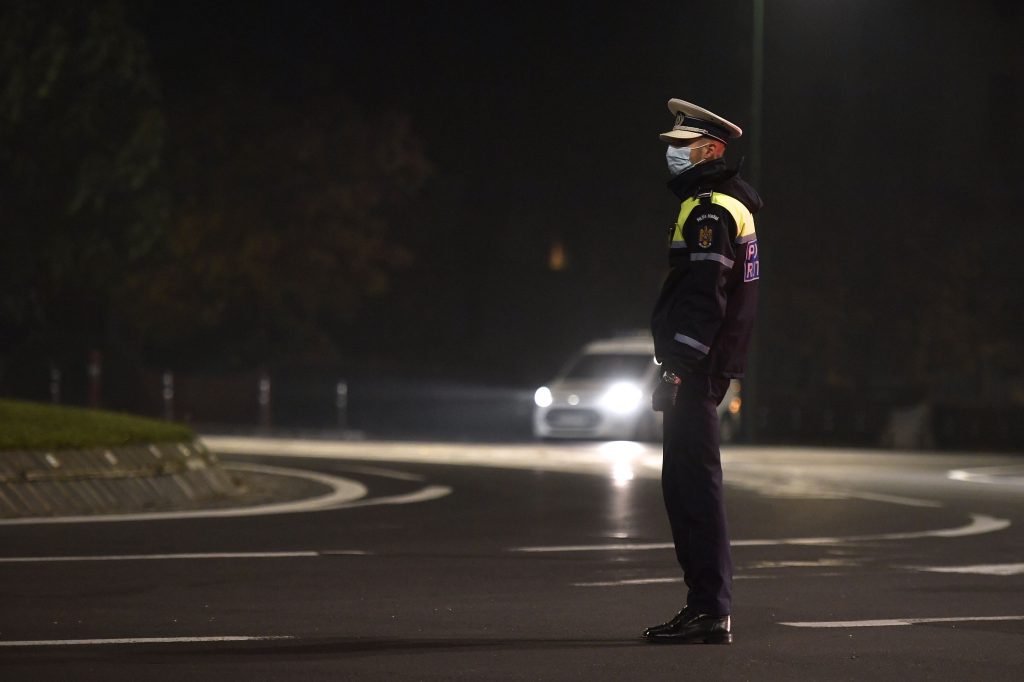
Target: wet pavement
{"type": "Point", "coordinates": [461, 561]}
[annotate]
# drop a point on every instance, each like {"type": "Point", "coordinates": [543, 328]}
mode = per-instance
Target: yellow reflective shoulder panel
{"type": "Point", "coordinates": [684, 213]}
{"type": "Point", "coordinates": [740, 213]}
{"type": "Point", "coordinates": [744, 219]}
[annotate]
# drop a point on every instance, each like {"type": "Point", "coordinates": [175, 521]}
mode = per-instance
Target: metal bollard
{"type": "Point", "coordinates": [341, 403]}
{"type": "Point", "coordinates": [168, 395]}
{"type": "Point", "coordinates": [264, 400]}
{"type": "Point", "coordinates": [54, 384]}
{"type": "Point", "coordinates": [95, 371]}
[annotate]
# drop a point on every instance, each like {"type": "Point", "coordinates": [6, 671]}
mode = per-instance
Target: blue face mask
{"type": "Point", "coordinates": [678, 159]}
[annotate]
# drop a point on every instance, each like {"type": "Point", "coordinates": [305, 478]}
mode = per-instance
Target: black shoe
{"type": "Point", "coordinates": [693, 628]}
{"type": "Point", "coordinates": [685, 614]}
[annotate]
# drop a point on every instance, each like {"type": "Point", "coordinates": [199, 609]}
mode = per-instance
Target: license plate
{"type": "Point", "coordinates": [574, 420]}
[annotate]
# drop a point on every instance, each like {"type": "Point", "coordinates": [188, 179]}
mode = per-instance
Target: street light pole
{"type": "Point", "coordinates": [757, 93]}
{"type": "Point", "coordinates": [751, 396]}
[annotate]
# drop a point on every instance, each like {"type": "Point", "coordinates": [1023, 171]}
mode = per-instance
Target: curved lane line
{"type": "Point", "coordinates": [1005, 475]}
{"type": "Point", "coordinates": [154, 557]}
{"type": "Point", "coordinates": [657, 581]}
{"type": "Point", "coordinates": [385, 473]}
{"type": "Point", "coordinates": [431, 492]}
{"type": "Point", "coordinates": [979, 524]}
{"type": "Point", "coordinates": [976, 569]}
{"type": "Point", "coordinates": [584, 459]}
{"type": "Point", "coordinates": [890, 622]}
{"type": "Point", "coordinates": [343, 491]}
{"type": "Point", "coordinates": [140, 640]}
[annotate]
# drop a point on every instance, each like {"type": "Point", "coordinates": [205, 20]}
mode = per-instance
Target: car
{"type": "Point", "coordinates": [604, 392]}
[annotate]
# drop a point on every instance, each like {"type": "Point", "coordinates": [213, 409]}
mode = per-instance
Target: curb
{"type": "Point", "coordinates": [108, 480]}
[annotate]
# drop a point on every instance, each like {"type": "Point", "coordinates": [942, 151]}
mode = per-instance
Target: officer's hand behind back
{"type": "Point", "coordinates": [664, 396]}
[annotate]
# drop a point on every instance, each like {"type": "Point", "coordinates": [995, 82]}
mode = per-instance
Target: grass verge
{"type": "Point", "coordinates": [33, 426]}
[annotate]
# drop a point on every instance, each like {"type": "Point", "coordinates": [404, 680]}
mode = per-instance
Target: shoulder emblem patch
{"type": "Point", "coordinates": [704, 237]}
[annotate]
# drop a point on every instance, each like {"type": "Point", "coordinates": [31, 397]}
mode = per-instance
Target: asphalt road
{"type": "Point", "coordinates": [435, 562]}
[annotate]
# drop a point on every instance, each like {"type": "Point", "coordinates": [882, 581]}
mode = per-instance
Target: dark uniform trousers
{"type": "Point", "coordinates": [691, 481]}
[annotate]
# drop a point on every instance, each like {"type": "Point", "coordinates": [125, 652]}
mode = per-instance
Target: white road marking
{"type": "Point", "coordinates": [599, 459]}
{"type": "Point", "coordinates": [979, 524]}
{"type": "Point", "coordinates": [342, 490]}
{"type": "Point", "coordinates": [139, 640]}
{"type": "Point", "coordinates": [979, 569]}
{"type": "Point", "coordinates": [754, 466]}
{"type": "Point", "coordinates": [773, 472]}
{"type": "Point", "coordinates": [637, 581]}
{"type": "Point", "coordinates": [173, 557]}
{"type": "Point", "coordinates": [1007, 475]}
{"type": "Point", "coordinates": [820, 563]}
{"type": "Point", "coordinates": [431, 492]}
{"type": "Point", "coordinates": [893, 499]}
{"type": "Point", "coordinates": [621, 547]}
{"type": "Point", "coordinates": [792, 484]}
{"type": "Point", "coordinates": [344, 493]}
{"type": "Point", "coordinates": [656, 581]}
{"type": "Point", "coordinates": [386, 473]}
{"type": "Point", "coordinates": [894, 622]}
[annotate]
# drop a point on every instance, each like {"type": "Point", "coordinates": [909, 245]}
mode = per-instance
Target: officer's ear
{"type": "Point", "coordinates": [710, 150]}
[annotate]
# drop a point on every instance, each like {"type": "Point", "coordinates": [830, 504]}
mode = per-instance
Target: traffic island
{"type": "Point", "coordinates": [64, 461]}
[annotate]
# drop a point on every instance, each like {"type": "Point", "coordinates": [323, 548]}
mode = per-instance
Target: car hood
{"type": "Point", "coordinates": [588, 387]}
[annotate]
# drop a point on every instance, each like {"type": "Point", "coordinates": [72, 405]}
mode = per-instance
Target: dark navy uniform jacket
{"type": "Point", "coordinates": [705, 313]}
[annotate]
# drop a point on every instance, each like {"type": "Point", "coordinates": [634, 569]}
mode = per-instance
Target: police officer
{"type": "Point", "coordinates": [701, 325]}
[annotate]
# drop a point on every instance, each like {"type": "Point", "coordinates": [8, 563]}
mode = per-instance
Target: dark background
{"type": "Point", "coordinates": [374, 191]}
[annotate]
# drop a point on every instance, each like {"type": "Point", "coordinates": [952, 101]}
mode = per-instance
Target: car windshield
{"type": "Point", "coordinates": [609, 366]}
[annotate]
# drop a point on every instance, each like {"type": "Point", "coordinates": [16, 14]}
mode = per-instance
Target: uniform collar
{"type": "Point", "coordinates": [686, 184]}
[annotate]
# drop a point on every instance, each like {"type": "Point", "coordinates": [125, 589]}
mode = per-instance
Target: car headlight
{"type": "Point", "coordinates": [622, 398]}
{"type": "Point", "coordinates": [542, 396]}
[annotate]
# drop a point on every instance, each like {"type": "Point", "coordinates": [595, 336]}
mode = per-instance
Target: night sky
{"type": "Point", "coordinates": [882, 122]}
{"type": "Point", "coordinates": [891, 167]}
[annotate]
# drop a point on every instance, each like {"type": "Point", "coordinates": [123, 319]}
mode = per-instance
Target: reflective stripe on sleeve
{"type": "Point", "coordinates": [712, 256]}
{"type": "Point", "coordinates": [746, 238]}
{"type": "Point", "coordinates": [679, 244]}
{"type": "Point", "coordinates": [692, 343]}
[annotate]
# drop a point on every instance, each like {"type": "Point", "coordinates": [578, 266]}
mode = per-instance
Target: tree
{"type": "Point", "coordinates": [288, 215]}
{"type": "Point", "coordinates": [81, 135]}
